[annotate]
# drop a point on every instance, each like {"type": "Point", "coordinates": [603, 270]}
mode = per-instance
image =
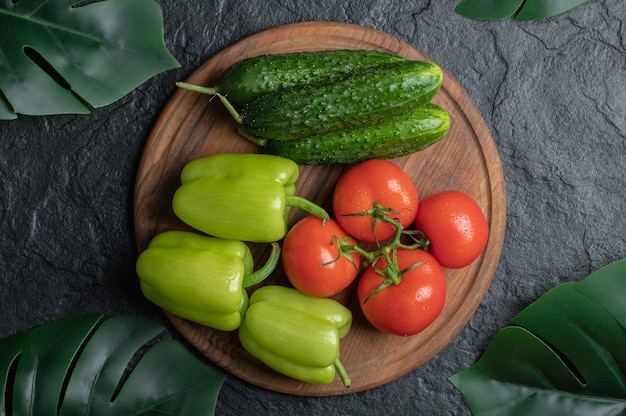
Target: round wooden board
{"type": "Point", "coordinates": [192, 126]}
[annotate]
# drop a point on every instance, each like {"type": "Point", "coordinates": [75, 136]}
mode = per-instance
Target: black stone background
{"type": "Point", "coordinates": [553, 93]}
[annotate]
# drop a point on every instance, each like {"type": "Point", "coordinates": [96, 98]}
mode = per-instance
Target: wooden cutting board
{"type": "Point", "coordinates": [192, 126]}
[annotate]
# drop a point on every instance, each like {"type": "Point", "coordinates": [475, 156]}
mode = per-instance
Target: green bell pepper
{"type": "Point", "coordinates": [296, 334]}
{"type": "Point", "coordinates": [240, 196]}
{"type": "Point", "coordinates": [201, 278]}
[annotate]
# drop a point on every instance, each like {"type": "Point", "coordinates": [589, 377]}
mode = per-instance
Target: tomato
{"type": "Point", "coordinates": [363, 185]}
{"type": "Point", "coordinates": [410, 306]}
{"type": "Point", "coordinates": [456, 227]}
{"type": "Point", "coordinates": [311, 258]}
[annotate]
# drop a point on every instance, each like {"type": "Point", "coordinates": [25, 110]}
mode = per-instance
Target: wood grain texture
{"type": "Point", "coordinates": [192, 126]}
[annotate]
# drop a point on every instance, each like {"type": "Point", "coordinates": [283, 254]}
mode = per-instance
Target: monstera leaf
{"type": "Point", "coordinates": [566, 355]}
{"type": "Point", "coordinates": [86, 366]}
{"type": "Point", "coordinates": [62, 56]}
{"type": "Point", "coordinates": [528, 9]}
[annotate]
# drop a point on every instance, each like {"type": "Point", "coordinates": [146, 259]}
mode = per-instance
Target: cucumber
{"type": "Point", "coordinates": [368, 96]}
{"type": "Point", "coordinates": [252, 77]}
{"type": "Point", "coordinates": [411, 132]}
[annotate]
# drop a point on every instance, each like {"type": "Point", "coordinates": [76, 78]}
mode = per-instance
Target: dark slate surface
{"type": "Point", "coordinates": [552, 91]}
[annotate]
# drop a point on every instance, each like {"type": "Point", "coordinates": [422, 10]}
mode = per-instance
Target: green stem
{"type": "Point", "coordinates": [384, 251]}
{"type": "Point", "coordinates": [369, 256]}
{"type": "Point", "coordinates": [308, 206]}
{"type": "Point", "coordinates": [343, 374]}
{"type": "Point", "coordinates": [230, 109]}
{"type": "Point", "coordinates": [378, 213]}
{"type": "Point", "coordinates": [259, 141]}
{"type": "Point", "coordinates": [212, 91]}
{"type": "Point", "coordinates": [345, 250]}
{"type": "Point", "coordinates": [197, 88]}
{"type": "Point", "coordinates": [419, 240]}
{"type": "Point", "coordinates": [392, 274]}
{"type": "Point", "coordinates": [267, 269]}
{"type": "Point", "coordinates": [374, 292]}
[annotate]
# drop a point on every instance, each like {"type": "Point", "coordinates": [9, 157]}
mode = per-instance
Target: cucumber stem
{"type": "Point", "coordinates": [230, 109]}
{"type": "Point", "coordinates": [212, 91]}
{"type": "Point", "coordinates": [197, 88]}
{"type": "Point", "coordinates": [259, 141]}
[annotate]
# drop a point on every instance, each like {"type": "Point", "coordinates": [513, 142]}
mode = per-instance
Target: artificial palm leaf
{"type": "Point", "coordinates": [62, 56]}
{"type": "Point", "coordinates": [85, 365]}
{"type": "Point", "coordinates": [565, 356]}
{"type": "Point", "coordinates": [527, 9]}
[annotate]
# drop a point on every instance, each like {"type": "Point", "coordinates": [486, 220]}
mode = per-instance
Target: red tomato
{"type": "Point", "coordinates": [374, 181]}
{"type": "Point", "coordinates": [412, 305]}
{"type": "Point", "coordinates": [455, 226]}
{"type": "Point", "coordinates": [311, 259]}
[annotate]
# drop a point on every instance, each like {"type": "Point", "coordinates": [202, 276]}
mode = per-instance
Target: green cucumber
{"type": "Point", "coordinates": [252, 77]}
{"type": "Point", "coordinates": [368, 96]}
{"type": "Point", "coordinates": [406, 134]}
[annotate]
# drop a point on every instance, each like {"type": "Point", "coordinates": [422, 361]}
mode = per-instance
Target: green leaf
{"type": "Point", "coordinates": [60, 56]}
{"type": "Point", "coordinates": [500, 9]}
{"type": "Point", "coordinates": [488, 9]}
{"type": "Point", "coordinates": [566, 356]}
{"type": "Point", "coordinates": [83, 365]}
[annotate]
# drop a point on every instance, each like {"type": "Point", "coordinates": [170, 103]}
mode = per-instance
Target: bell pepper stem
{"type": "Point", "coordinates": [343, 374]}
{"type": "Point", "coordinates": [308, 206]}
{"type": "Point", "coordinates": [267, 269]}
{"type": "Point", "coordinates": [212, 91]}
